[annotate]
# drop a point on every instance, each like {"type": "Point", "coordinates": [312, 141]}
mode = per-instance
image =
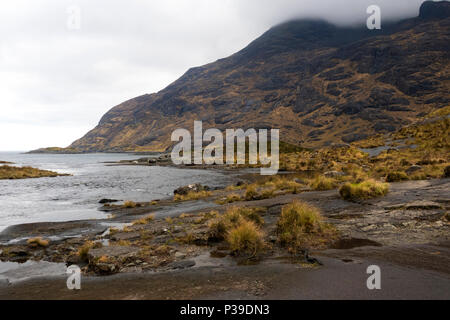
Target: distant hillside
{"type": "Point", "coordinates": [317, 82]}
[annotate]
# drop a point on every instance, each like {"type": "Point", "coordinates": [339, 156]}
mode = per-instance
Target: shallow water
{"type": "Point", "coordinates": [13, 271]}
{"type": "Point", "coordinates": [76, 197]}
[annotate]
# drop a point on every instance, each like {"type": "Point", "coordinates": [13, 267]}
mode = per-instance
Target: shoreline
{"type": "Point", "coordinates": [394, 234]}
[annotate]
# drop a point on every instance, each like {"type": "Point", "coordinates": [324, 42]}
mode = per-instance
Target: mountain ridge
{"type": "Point", "coordinates": [317, 82]}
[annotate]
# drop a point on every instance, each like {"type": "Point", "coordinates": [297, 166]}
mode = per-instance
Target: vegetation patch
{"type": "Point", "coordinates": [396, 176]}
{"type": "Point", "coordinates": [322, 183]}
{"type": "Point", "coordinates": [246, 239]}
{"type": "Point", "coordinates": [364, 190]}
{"type": "Point", "coordinates": [192, 195]}
{"type": "Point", "coordinates": [233, 217]}
{"type": "Point", "coordinates": [130, 204]}
{"type": "Point", "coordinates": [38, 242]}
{"type": "Point", "coordinates": [144, 220]}
{"type": "Point", "coordinates": [299, 225]}
{"type": "Point", "coordinates": [10, 172]}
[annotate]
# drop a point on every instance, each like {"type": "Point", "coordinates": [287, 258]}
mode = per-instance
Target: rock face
{"type": "Point", "coordinates": [317, 82]}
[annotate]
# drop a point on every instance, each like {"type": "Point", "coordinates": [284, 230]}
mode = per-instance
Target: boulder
{"type": "Point", "coordinates": [191, 188]}
{"type": "Point", "coordinates": [103, 201]}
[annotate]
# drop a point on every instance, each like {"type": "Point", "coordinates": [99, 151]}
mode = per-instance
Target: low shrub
{"type": "Point", "coordinates": [192, 195]}
{"type": "Point", "coordinates": [246, 239]}
{"type": "Point", "coordinates": [363, 190]}
{"type": "Point", "coordinates": [396, 176]}
{"type": "Point", "coordinates": [129, 204]}
{"type": "Point", "coordinates": [232, 218]}
{"type": "Point", "coordinates": [297, 220]}
{"type": "Point", "coordinates": [322, 183]}
{"type": "Point", "coordinates": [144, 220]}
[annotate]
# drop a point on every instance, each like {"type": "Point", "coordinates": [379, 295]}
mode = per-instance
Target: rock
{"type": "Point", "coordinates": [413, 169]}
{"type": "Point", "coordinates": [103, 201]}
{"type": "Point", "coordinates": [105, 268]}
{"type": "Point", "coordinates": [423, 205]}
{"type": "Point", "coordinates": [181, 264]}
{"type": "Point", "coordinates": [333, 174]}
{"type": "Point", "coordinates": [180, 255]}
{"type": "Point", "coordinates": [112, 251]}
{"type": "Point", "coordinates": [125, 236]}
{"type": "Point", "coordinates": [191, 188]}
{"type": "Point", "coordinates": [273, 239]}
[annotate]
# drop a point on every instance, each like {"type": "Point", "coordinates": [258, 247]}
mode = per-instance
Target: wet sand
{"type": "Point", "coordinates": [272, 279]}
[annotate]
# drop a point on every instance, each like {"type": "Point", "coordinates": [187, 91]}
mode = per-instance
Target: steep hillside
{"type": "Point", "coordinates": [317, 82]}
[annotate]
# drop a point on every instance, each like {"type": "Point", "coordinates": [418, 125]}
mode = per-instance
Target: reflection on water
{"type": "Point", "coordinates": [76, 197]}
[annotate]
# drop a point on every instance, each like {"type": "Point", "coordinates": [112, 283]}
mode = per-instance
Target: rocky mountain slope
{"type": "Point", "coordinates": [317, 82]}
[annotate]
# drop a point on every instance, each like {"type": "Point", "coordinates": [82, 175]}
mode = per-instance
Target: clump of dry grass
{"type": "Point", "coordinates": [251, 193]}
{"type": "Point", "coordinates": [130, 204]}
{"type": "Point", "coordinates": [322, 183]}
{"type": "Point", "coordinates": [297, 221]}
{"type": "Point", "coordinates": [364, 190]}
{"type": "Point", "coordinates": [230, 198]}
{"type": "Point", "coordinates": [246, 239]}
{"type": "Point", "coordinates": [144, 220]}
{"type": "Point", "coordinates": [396, 176]}
{"type": "Point", "coordinates": [84, 250]}
{"type": "Point", "coordinates": [38, 242]}
{"type": "Point", "coordinates": [232, 218]}
{"type": "Point", "coordinates": [192, 195]}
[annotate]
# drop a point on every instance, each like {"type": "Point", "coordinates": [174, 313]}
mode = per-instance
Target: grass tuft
{"type": "Point", "coordinates": [38, 242]}
{"type": "Point", "coordinates": [364, 190]}
{"type": "Point", "coordinates": [246, 239]}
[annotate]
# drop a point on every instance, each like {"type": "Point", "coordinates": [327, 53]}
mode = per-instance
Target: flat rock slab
{"type": "Point", "coordinates": [423, 205]}
{"type": "Point", "coordinates": [113, 251]}
{"type": "Point", "coordinates": [126, 236]}
{"type": "Point", "coordinates": [416, 205]}
{"type": "Point", "coordinates": [184, 264]}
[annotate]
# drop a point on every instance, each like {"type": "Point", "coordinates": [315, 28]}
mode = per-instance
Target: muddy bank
{"type": "Point", "coordinates": [272, 279]}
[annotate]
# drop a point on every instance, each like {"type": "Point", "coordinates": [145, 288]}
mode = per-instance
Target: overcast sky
{"type": "Point", "coordinates": [58, 77]}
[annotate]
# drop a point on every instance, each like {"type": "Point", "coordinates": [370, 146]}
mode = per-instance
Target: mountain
{"type": "Point", "coordinates": [317, 82]}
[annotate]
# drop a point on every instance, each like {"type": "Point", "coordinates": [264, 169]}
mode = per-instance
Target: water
{"type": "Point", "coordinates": [76, 197]}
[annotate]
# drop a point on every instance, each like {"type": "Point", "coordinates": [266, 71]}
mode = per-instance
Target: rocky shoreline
{"type": "Point", "coordinates": [167, 235]}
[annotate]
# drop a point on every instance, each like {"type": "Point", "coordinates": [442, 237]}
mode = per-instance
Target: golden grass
{"type": "Point", "coordinates": [230, 198]}
{"type": "Point", "coordinates": [9, 172]}
{"type": "Point", "coordinates": [322, 183]}
{"type": "Point", "coordinates": [144, 220]}
{"type": "Point", "coordinates": [251, 193]}
{"type": "Point", "coordinates": [246, 239]}
{"type": "Point", "coordinates": [84, 250]}
{"type": "Point", "coordinates": [38, 242]}
{"type": "Point", "coordinates": [364, 190]}
{"type": "Point", "coordinates": [130, 204]}
{"type": "Point", "coordinates": [232, 218]}
{"type": "Point", "coordinates": [297, 224]}
{"type": "Point", "coordinates": [396, 176]}
{"type": "Point", "coordinates": [192, 195]}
